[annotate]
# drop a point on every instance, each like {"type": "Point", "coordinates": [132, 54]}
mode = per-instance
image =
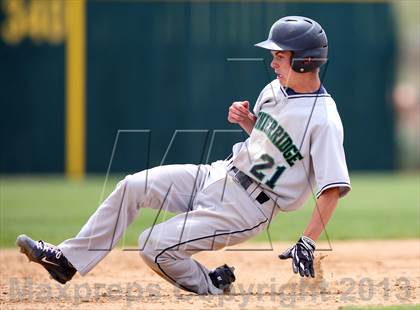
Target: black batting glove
{"type": "Point", "coordinates": [302, 255]}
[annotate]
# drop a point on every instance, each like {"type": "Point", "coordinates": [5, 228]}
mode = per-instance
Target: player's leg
{"type": "Point", "coordinates": [170, 187]}
{"type": "Point", "coordinates": [168, 250]}
{"type": "Point", "coordinates": [213, 224]}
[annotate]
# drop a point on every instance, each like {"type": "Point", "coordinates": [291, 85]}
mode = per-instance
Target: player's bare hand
{"type": "Point", "coordinates": [302, 255]}
{"type": "Point", "coordinates": [239, 112]}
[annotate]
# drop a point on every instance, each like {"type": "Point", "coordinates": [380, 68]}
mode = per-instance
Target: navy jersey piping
{"type": "Point", "coordinates": [335, 183]}
{"type": "Point", "coordinates": [283, 91]}
{"type": "Point", "coordinates": [309, 96]}
{"type": "Point", "coordinates": [320, 91]}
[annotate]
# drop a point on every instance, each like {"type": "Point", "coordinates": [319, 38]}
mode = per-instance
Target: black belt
{"type": "Point", "coordinates": [246, 181]}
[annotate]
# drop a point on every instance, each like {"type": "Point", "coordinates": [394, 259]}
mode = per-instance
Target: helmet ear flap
{"type": "Point", "coordinates": [297, 63]}
{"type": "Point", "coordinates": [301, 63]}
{"type": "Point", "coordinates": [306, 61]}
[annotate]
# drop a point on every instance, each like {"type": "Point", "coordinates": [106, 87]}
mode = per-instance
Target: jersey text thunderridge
{"type": "Point", "coordinates": [279, 137]}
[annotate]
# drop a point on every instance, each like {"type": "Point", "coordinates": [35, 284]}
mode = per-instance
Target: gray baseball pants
{"type": "Point", "coordinates": [213, 211]}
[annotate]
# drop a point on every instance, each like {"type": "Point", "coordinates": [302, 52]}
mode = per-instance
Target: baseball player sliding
{"type": "Point", "coordinates": [295, 146]}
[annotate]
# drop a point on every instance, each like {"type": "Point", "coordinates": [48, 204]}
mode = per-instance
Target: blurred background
{"type": "Point", "coordinates": [87, 81]}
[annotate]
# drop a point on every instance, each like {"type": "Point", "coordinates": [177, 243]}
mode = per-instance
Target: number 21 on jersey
{"type": "Point", "coordinates": [268, 163]}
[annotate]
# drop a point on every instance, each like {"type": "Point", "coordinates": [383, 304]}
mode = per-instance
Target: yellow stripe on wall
{"type": "Point", "coordinates": [75, 89]}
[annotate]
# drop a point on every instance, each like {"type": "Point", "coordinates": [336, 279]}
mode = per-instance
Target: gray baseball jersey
{"type": "Point", "coordinates": [296, 146]}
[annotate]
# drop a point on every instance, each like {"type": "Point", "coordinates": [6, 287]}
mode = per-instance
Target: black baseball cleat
{"type": "Point", "coordinates": [222, 277]}
{"type": "Point", "coordinates": [47, 255]}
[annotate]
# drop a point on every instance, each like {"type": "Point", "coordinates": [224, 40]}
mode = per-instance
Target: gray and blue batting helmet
{"type": "Point", "coordinates": [301, 35]}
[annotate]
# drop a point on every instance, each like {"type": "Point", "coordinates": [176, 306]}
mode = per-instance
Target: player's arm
{"type": "Point", "coordinates": [323, 210]}
{"type": "Point", "coordinates": [302, 253]}
{"type": "Point", "coordinates": [239, 114]}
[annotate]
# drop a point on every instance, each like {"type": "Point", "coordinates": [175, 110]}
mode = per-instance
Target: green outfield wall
{"type": "Point", "coordinates": [163, 66]}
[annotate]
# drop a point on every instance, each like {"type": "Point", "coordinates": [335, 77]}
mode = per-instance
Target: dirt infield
{"type": "Point", "coordinates": [353, 273]}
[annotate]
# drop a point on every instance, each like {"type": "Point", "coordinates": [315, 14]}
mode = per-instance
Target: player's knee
{"type": "Point", "coordinates": [135, 188]}
{"type": "Point", "coordinates": [135, 182]}
{"type": "Point", "coordinates": [147, 246]}
{"type": "Point", "coordinates": [155, 250]}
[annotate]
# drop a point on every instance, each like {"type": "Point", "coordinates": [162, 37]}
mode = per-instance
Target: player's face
{"type": "Point", "coordinates": [281, 66]}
